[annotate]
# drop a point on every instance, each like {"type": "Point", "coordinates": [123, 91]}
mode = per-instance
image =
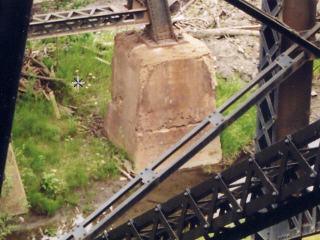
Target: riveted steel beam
{"type": "Point", "coordinates": [160, 28]}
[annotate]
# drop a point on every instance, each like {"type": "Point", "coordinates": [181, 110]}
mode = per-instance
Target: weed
{"type": "Point", "coordinates": [42, 204]}
{"type": "Point", "coordinates": [316, 67]}
{"type": "Point", "coordinates": [5, 226]}
{"type": "Point", "coordinates": [51, 185]}
{"type": "Point", "coordinates": [51, 231]}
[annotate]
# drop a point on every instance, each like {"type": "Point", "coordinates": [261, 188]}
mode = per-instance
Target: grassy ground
{"type": "Point", "coordinates": [57, 156]}
{"type": "Point", "coordinates": [62, 5]}
{"type": "Point", "coordinates": [239, 135]}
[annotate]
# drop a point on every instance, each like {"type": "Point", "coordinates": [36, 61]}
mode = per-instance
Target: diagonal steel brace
{"type": "Point", "coordinates": [275, 24]}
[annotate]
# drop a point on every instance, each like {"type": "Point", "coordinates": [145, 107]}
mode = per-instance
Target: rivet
{"type": "Point", "coordinates": [313, 175]}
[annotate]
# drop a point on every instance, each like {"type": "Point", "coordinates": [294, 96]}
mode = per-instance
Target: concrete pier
{"type": "Point", "coordinates": [159, 94]}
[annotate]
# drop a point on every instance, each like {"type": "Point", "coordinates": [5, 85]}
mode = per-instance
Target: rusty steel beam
{"type": "Point", "coordinates": [294, 96]}
{"type": "Point", "coordinates": [160, 27]}
{"type": "Point", "coordinates": [14, 21]}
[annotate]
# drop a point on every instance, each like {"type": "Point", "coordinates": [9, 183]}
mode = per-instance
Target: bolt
{"type": "Point", "coordinates": [275, 193]}
{"type": "Point", "coordinates": [286, 141]}
{"type": "Point", "coordinates": [206, 225]}
{"type": "Point", "coordinates": [313, 174]}
{"type": "Point", "coordinates": [156, 209]}
{"type": "Point", "coordinates": [250, 160]}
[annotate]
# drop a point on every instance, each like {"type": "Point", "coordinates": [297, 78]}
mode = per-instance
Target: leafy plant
{"type": "Point", "coordinates": [51, 185]}
{"type": "Point", "coordinates": [5, 226]}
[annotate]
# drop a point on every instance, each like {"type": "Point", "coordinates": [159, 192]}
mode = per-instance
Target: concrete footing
{"type": "Point", "coordinates": [13, 200]}
{"type": "Point", "coordinates": [158, 95]}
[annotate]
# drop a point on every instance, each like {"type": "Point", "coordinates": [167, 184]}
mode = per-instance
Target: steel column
{"type": "Point", "coordinates": [288, 107]}
{"type": "Point", "coordinates": [14, 21]}
{"type": "Point", "coordinates": [295, 95]}
{"type": "Point", "coordinates": [270, 49]}
{"type": "Point", "coordinates": [160, 27]}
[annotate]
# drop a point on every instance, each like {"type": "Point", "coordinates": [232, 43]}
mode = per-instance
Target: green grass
{"type": "Point", "coordinates": [242, 132]}
{"type": "Point", "coordinates": [316, 67]}
{"type": "Point", "coordinates": [55, 156]}
{"type": "Point", "coordinates": [61, 5]}
{"type": "Point", "coordinates": [5, 226]}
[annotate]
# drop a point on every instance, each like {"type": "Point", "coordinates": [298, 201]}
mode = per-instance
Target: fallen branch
{"type": "Point", "coordinates": [126, 174]}
{"type": "Point", "coordinates": [55, 105]}
{"type": "Point", "coordinates": [28, 75]}
{"type": "Point", "coordinates": [103, 61]}
{"type": "Point", "coordinates": [185, 7]}
{"type": "Point", "coordinates": [218, 32]}
{"type": "Point", "coordinates": [41, 65]}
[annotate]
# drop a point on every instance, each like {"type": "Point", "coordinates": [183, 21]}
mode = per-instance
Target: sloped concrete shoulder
{"type": "Point", "coordinates": [13, 200]}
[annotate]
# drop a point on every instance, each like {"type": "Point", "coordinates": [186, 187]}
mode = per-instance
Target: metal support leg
{"type": "Point", "coordinates": [160, 27]}
{"type": "Point", "coordinates": [14, 21]}
{"type": "Point", "coordinates": [295, 95]}
{"type": "Point", "coordinates": [270, 49]}
{"type": "Point", "coordinates": [290, 103]}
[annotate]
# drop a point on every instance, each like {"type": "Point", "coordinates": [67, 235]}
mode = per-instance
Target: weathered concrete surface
{"type": "Point", "coordinates": [13, 200]}
{"type": "Point", "coordinates": [159, 94]}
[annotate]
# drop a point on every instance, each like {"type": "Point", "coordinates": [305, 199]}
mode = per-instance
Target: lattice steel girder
{"type": "Point", "coordinates": [270, 49]}
{"type": "Point", "coordinates": [235, 203]}
{"type": "Point", "coordinates": [306, 223]}
{"type": "Point", "coordinates": [153, 12]}
{"type": "Point", "coordinates": [214, 124]}
{"type": "Point", "coordinates": [83, 20]}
